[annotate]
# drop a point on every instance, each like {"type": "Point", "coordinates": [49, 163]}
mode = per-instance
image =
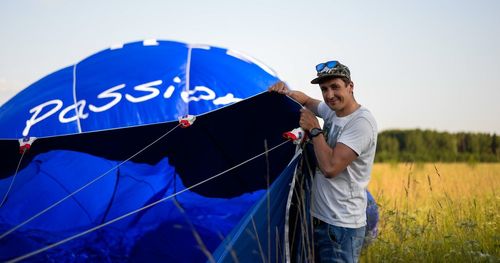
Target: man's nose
{"type": "Point", "coordinates": [330, 93]}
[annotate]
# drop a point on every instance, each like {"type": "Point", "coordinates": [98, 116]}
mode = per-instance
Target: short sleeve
{"type": "Point", "coordinates": [358, 136]}
{"type": "Point", "coordinates": [323, 110]}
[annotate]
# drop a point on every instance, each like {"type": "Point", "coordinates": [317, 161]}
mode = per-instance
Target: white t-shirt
{"type": "Point", "coordinates": [341, 201]}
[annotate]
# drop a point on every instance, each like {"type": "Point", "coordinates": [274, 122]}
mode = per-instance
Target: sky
{"type": "Point", "coordinates": [415, 64]}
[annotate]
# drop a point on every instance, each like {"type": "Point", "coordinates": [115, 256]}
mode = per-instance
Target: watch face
{"type": "Point", "coordinates": [315, 132]}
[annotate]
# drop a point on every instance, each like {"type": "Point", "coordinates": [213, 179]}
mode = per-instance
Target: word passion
{"type": "Point", "coordinates": [77, 111]}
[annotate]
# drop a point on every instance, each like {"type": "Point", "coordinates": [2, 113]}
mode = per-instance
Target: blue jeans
{"type": "Point", "coordinates": [337, 244]}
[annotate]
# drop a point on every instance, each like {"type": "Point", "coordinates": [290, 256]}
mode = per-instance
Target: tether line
{"type": "Point", "coordinates": [83, 187]}
{"type": "Point", "coordinates": [139, 209]}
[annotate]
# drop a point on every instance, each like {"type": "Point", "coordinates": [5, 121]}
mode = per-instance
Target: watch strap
{"type": "Point", "coordinates": [315, 132]}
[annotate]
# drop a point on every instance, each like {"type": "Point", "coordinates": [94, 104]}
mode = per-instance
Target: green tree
{"type": "Point", "coordinates": [431, 146]}
{"type": "Point", "coordinates": [494, 144]}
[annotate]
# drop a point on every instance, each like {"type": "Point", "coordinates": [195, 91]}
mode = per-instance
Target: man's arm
{"type": "Point", "coordinates": [331, 161]}
{"type": "Point", "coordinates": [306, 101]}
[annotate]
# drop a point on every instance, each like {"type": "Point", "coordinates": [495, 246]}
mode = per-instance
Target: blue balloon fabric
{"type": "Point", "coordinates": [372, 218]}
{"type": "Point", "coordinates": [135, 84]}
{"type": "Point", "coordinates": [108, 115]}
{"type": "Point", "coordinates": [130, 187]}
{"type": "Point", "coordinates": [250, 239]}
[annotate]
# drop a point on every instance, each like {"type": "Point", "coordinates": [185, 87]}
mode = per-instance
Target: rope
{"type": "Point", "coordinates": [139, 209]}
{"type": "Point", "coordinates": [13, 178]}
{"type": "Point", "coordinates": [83, 187]}
{"type": "Point", "coordinates": [298, 151]}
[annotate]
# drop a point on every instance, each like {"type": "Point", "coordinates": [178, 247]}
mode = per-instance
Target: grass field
{"type": "Point", "coordinates": [436, 213]}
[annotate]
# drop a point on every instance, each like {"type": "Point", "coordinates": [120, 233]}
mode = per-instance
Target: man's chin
{"type": "Point", "coordinates": [333, 107]}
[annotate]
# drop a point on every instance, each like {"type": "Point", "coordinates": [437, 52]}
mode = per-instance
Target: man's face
{"type": "Point", "coordinates": [336, 93]}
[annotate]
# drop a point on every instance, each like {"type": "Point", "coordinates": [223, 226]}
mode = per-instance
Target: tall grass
{"type": "Point", "coordinates": [436, 213]}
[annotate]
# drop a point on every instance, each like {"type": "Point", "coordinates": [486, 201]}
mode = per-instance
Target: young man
{"type": "Point", "coordinates": [344, 150]}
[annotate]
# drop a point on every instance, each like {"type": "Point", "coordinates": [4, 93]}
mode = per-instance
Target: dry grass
{"type": "Point", "coordinates": [436, 213]}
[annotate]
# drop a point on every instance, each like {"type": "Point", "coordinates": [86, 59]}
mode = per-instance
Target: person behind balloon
{"type": "Point", "coordinates": [345, 150]}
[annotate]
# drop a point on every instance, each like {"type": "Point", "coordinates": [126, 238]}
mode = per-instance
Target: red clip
{"type": "Point", "coordinates": [296, 135]}
{"type": "Point", "coordinates": [186, 120]}
{"type": "Point", "coordinates": [25, 144]}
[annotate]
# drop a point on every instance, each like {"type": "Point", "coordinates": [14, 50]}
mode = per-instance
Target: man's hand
{"type": "Point", "coordinates": [304, 100]}
{"type": "Point", "coordinates": [308, 120]}
{"type": "Point", "coordinates": [280, 87]}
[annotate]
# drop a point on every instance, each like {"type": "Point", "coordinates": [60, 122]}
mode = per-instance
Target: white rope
{"type": "Point", "coordinates": [298, 151]}
{"type": "Point", "coordinates": [138, 210]}
{"type": "Point", "coordinates": [13, 178]}
{"type": "Point", "coordinates": [83, 187]}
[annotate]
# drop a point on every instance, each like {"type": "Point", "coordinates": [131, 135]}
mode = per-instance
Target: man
{"type": "Point", "coordinates": [345, 157]}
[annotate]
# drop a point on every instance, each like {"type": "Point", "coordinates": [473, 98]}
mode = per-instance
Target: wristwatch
{"type": "Point", "coordinates": [315, 132]}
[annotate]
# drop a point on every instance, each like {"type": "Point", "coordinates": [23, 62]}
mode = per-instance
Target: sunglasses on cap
{"type": "Point", "coordinates": [330, 64]}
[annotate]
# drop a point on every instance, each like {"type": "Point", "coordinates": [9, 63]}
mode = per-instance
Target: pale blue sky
{"type": "Point", "coordinates": [415, 64]}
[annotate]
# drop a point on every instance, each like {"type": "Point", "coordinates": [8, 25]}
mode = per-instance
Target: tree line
{"type": "Point", "coordinates": [432, 146]}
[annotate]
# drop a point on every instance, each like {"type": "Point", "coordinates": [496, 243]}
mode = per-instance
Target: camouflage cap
{"type": "Point", "coordinates": [331, 69]}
